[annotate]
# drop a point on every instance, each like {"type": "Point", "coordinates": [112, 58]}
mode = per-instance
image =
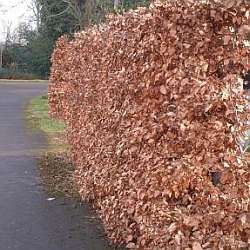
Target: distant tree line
{"type": "Point", "coordinates": [28, 49]}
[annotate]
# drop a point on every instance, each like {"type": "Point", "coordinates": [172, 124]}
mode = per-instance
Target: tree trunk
{"type": "Point", "coordinates": [117, 4]}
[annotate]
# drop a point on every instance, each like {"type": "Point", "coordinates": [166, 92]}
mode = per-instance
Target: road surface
{"type": "Point", "coordinates": [28, 221]}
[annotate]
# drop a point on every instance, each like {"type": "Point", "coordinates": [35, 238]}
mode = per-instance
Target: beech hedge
{"type": "Point", "coordinates": [154, 107]}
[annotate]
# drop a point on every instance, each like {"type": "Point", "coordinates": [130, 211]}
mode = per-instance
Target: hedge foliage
{"type": "Point", "coordinates": [154, 106]}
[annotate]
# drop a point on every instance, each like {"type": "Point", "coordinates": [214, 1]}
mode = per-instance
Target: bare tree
{"type": "Point", "coordinates": [7, 31]}
{"type": "Point", "coordinates": [6, 26]}
{"type": "Point", "coordinates": [36, 7]}
{"type": "Point", "coordinates": [2, 9]}
{"type": "Point", "coordinates": [82, 10]}
{"type": "Point", "coordinates": [117, 4]}
{"type": "Point", "coordinates": [1, 55]}
{"type": "Point", "coordinates": [77, 9]}
{"type": "Point", "coordinates": [74, 7]}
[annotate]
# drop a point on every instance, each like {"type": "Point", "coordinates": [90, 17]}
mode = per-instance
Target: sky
{"type": "Point", "coordinates": [14, 12]}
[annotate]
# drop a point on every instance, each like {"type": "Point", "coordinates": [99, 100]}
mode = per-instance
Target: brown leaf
{"type": "Point", "coordinates": [226, 39]}
{"type": "Point", "coordinates": [130, 238]}
{"type": "Point", "coordinates": [163, 90]}
{"type": "Point", "coordinates": [196, 246]}
{"type": "Point", "coordinates": [131, 245]}
{"type": "Point", "coordinates": [229, 3]}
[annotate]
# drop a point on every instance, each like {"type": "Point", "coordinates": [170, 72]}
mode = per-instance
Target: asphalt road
{"type": "Point", "coordinates": [28, 221]}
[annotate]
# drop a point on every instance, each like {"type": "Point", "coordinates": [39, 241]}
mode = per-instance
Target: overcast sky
{"type": "Point", "coordinates": [14, 12]}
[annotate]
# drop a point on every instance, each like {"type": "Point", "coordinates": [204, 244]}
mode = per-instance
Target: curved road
{"type": "Point", "coordinates": [28, 221]}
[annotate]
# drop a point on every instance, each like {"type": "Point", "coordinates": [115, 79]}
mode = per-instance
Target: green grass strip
{"type": "Point", "coordinates": [38, 113]}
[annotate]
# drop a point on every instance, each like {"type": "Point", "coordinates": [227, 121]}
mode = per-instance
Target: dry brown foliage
{"type": "Point", "coordinates": [154, 107]}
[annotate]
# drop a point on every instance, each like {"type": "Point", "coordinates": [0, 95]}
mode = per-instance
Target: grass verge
{"type": "Point", "coordinates": [38, 119]}
{"type": "Point", "coordinates": [38, 111]}
{"type": "Point", "coordinates": [55, 167]}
